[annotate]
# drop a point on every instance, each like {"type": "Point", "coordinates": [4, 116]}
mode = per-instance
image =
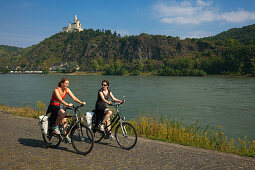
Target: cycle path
{"type": "Point", "coordinates": [22, 147]}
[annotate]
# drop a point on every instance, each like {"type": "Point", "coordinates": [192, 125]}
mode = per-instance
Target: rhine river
{"type": "Point", "coordinates": [207, 101]}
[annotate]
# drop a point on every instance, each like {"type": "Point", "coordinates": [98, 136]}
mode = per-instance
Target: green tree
{"type": "Point", "coordinates": [95, 65]}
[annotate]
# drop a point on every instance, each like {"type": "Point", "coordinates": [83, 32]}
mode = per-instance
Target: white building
{"type": "Point", "coordinates": [76, 26]}
{"type": "Point", "coordinates": [59, 66]}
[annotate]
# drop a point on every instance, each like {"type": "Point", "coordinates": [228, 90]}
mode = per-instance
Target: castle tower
{"type": "Point", "coordinates": [76, 26]}
{"type": "Point", "coordinates": [75, 18]}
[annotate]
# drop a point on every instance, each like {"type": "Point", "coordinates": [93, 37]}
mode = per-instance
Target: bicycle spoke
{"type": "Point", "coordinates": [128, 137]}
{"type": "Point", "coordinates": [51, 140]}
{"type": "Point", "coordinates": [82, 139]}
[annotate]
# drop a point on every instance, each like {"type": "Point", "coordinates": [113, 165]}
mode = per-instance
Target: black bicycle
{"type": "Point", "coordinates": [125, 133]}
{"type": "Point", "coordinates": [81, 136]}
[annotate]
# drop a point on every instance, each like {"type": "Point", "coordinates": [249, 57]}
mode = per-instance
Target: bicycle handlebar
{"type": "Point", "coordinates": [116, 103]}
{"type": "Point", "coordinates": [74, 107]}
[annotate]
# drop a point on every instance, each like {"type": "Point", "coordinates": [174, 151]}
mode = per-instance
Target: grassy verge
{"type": "Point", "coordinates": [168, 131]}
{"type": "Point", "coordinates": [177, 132]}
{"type": "Point", "coordinates": [25, 111]}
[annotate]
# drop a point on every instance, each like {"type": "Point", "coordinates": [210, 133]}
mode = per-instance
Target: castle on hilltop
{"type": "Point", "coordinates": [76, 26]}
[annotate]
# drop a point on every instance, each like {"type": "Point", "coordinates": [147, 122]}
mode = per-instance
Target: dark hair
{"type": "Point", "coordinates": [62, 81]}
{"type": "Point", "coordinates": [106, 81]}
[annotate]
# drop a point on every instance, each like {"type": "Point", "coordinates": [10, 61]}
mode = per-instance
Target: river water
{"type": "Point", "coordinates": [207, 101]}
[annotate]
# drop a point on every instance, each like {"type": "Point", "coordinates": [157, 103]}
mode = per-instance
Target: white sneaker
{"type": "Point", "coordinates": [101, 127]}
{"type": "Point", "coordinates": [111, 137]}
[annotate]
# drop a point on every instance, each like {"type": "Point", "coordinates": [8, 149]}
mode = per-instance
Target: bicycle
{"type": "Point", "coordinates": [81, 136]}
{"type": "Point", "coordinates": [125, 133]}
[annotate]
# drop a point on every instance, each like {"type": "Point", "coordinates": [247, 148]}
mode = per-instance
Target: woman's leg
{"type": "Point", "coordinates": [106, 119]}
{"type": "Point", "coordinates": [61, 117]}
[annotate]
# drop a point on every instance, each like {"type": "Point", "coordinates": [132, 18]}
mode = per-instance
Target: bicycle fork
{"type": "Point", "coordinates": [123, 129]}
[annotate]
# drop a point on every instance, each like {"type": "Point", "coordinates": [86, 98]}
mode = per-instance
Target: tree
{"type": "Point", "coordinates": [95, 65]}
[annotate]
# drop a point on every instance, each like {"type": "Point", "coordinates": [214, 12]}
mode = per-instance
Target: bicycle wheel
{"type": "Point", "coordinates": [126, 135]}
{"type": "Point", "coordinates": [82, 139]}
{"type": "Point", "coordinates": [51, 140]}
{"type": "Point", "coordinates": [98, 135]}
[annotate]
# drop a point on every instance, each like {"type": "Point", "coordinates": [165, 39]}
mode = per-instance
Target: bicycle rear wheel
{"type": "Point", "coordinates": [82, 139]}
{"type": "Point", "coordinates": [126, 135]}
{"type": "Point", "coordinates": [52, 140]}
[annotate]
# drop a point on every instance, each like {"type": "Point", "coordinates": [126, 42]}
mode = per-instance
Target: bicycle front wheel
{"type": "Point", "coordinates": [126, 135]}
{"type": "Point", "coordinates": [82, 139]}
{"type": "Point", "coordinates": [52, 140]}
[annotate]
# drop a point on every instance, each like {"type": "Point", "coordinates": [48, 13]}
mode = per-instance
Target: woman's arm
{"type": "Point", "coordinates": [114, 99]}
{"type": "Point", "coordinates": [69, 92]}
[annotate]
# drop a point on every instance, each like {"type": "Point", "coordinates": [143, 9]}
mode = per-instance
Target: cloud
{"type": "Point", "coordinates": [238, 16]}
{"type": "Point", "coordinates": [201, 11]}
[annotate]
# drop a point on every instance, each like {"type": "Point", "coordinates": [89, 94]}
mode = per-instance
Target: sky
{"type": "Point", "coordinates": [24, 23]}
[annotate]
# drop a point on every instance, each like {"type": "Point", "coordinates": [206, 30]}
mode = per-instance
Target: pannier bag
{"type": "Point", "coordinates": [44, 124]}
{"type": "Point", "coordinates": [88, 116]}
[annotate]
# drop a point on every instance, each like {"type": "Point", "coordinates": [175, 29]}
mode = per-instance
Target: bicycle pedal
{"type": "Point", "coordinates": [106, 136]}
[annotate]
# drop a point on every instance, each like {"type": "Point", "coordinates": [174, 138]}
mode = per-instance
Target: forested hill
{"type": "Point", "coordinates": [244, 35]}
{"type": "Point", "coordinates": [7, 49]}
{"type": "Point", "coordinates": [102, 50]}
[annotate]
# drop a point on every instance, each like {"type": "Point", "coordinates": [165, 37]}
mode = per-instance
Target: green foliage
{"type": "Point", "coordinates": [135, 73]}
{"type": "Point", "coordinates": [244, 35]}
{"type": "Point", "coordinates": [192, 135]}
{"type": "Point", "coordinates": [4, 70]}
{"type": "Point", "coordinates": [230, 52]}
{"type": "Point", "coordinates": [240, 60]}
{"type": "Point", "coordinates": [116, 69]}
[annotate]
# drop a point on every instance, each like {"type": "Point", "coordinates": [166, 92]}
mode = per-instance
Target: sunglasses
{"type": "Point", "coordinates": [104, 85]}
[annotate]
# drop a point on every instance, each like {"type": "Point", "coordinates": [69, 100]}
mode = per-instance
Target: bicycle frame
{"type": "Point", "coordinates": [115, 120]}
{"type": "Point", "coordinates": [75, 121]}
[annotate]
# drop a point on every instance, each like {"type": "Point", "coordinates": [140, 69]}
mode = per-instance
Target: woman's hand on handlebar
{"type": "Point", "coordinates": [109, 102]}
{"type": "Point", "coordinates": [83, 103]}
{"type": "Point", "coordinates": [70, 105]}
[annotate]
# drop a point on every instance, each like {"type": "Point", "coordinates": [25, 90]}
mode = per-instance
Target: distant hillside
{"type": "Point", "coordinates": [244, 35]}
{"type": "Point", "coordinates": [8, 49]}
{"type": "Point", "coordinates": [6, 55]}
{"type": "Point", "coordinates": [101, 50]}
{"type": "Point", "coordinates": [84, 47]}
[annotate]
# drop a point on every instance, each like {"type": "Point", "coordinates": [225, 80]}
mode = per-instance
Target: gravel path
{"type": "Point", "coordinates": [22, 147]}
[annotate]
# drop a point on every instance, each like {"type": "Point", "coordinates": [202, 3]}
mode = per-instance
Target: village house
{"type": "Point", "coordinates": [59, 66]}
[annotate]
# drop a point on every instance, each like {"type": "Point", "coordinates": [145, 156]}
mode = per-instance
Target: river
{"type": "Point", "coordinates": [207, 101]}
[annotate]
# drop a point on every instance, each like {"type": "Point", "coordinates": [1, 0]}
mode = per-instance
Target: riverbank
{"type": "Point", "coordinates": [140, 74]}
{"type": "Point", "coordinates": [168, 131]}
{"type": "Point", "coordinates": [145, 74]}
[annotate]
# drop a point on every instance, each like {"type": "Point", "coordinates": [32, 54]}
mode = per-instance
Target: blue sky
{"type": "Point", "coordinates": [27, 22]}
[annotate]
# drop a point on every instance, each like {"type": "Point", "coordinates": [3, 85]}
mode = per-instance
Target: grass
{"type": "Point", "coordinates": [168, 131]}
{"type": "Point", "coordinates": [176, 132]}
{"type": "Point", "coordinates": [25, 111]}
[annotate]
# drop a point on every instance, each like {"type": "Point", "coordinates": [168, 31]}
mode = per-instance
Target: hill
{"type": "Point", "coordinates": [102, 50]}
{"type": "Point", "coordinates": [245, 34]}
{"type": "Point", "coordinates": [8, 49]}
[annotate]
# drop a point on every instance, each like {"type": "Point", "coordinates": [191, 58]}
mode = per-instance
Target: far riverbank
{"type": "Point", "coordinates": [141, 74]}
